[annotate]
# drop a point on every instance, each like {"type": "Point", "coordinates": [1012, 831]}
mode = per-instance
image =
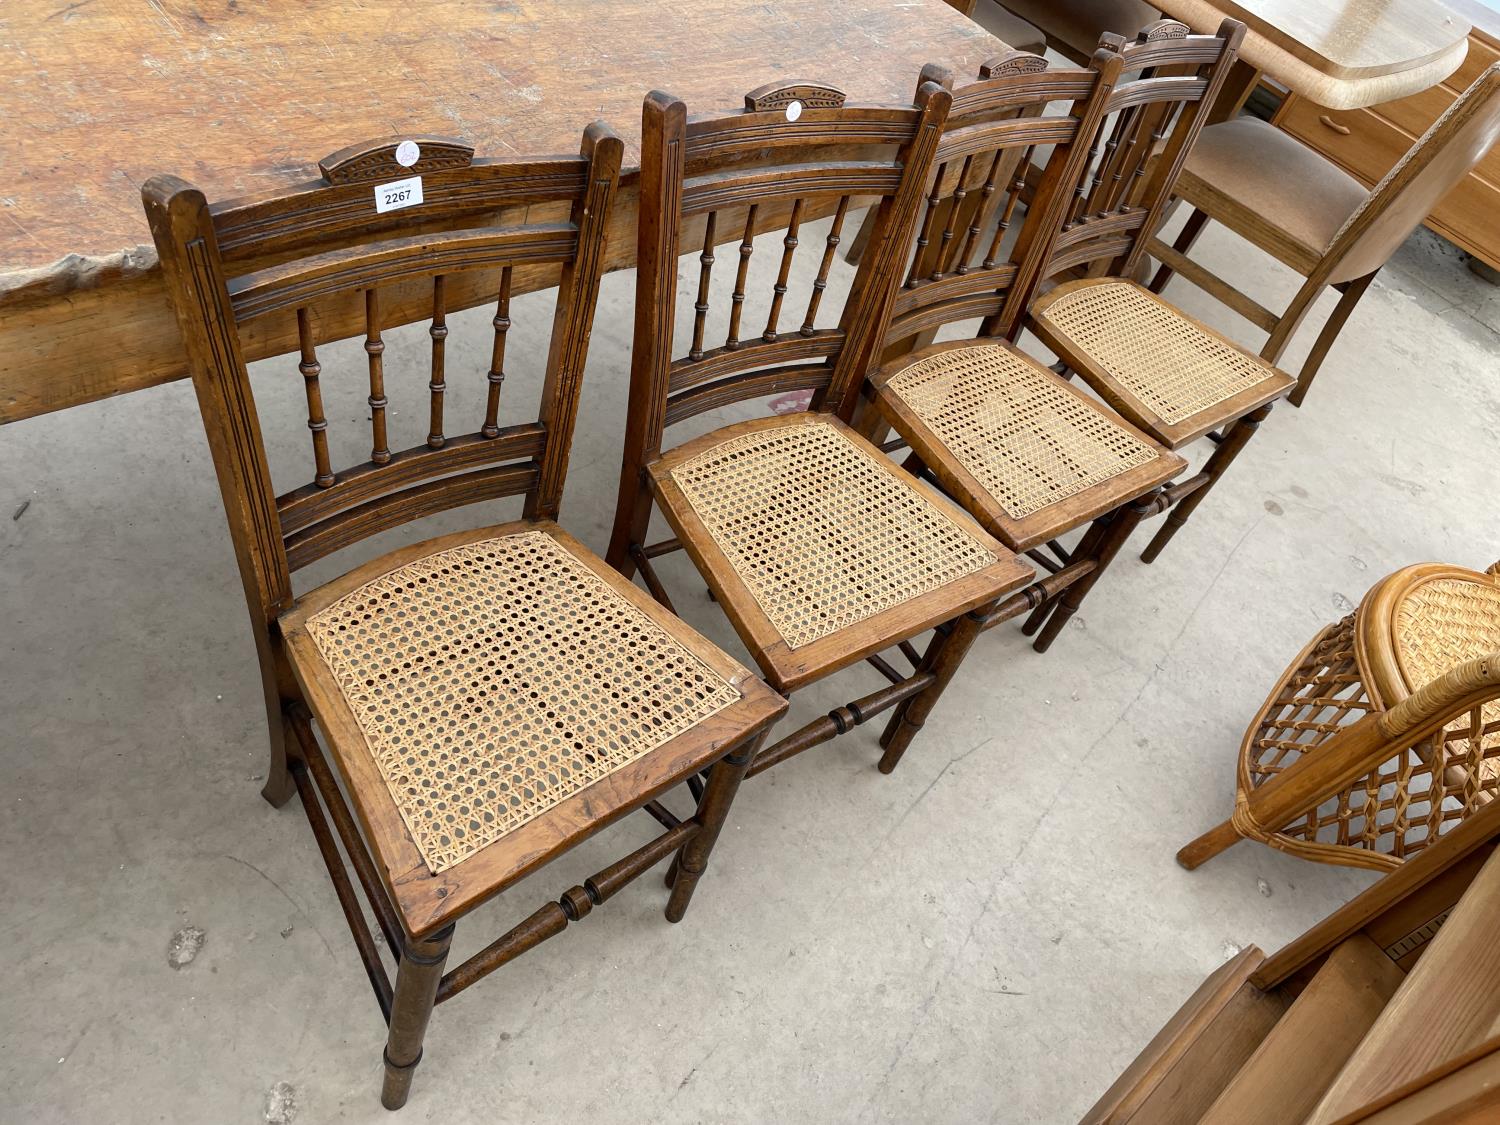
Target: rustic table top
{"type": "Point", "coordinates": [238, 96]}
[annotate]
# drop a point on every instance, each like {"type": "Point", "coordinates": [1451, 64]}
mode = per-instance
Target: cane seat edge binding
{"type": "Point", "coordinates": [795, 634]}
{"type": "Point", "coordinates": [1047, 443]}
{"type": "Point", "coordinates": [1120, 336]}
{"type": "Point", "coordinates": [431, 892]}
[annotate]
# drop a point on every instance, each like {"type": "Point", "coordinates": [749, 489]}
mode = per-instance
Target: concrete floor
{"type": "Point", "coordinates": [989, 934]}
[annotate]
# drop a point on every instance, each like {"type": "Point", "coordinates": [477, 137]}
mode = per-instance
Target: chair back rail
{"type": "Point", "coordinates": [294, 253]}
{"type": "Point", "coordinates": [1170, 80]}
{"type": "Point", "coordinates": [968, 255]}
{"type": "Point", "coordinates": [708, 181]}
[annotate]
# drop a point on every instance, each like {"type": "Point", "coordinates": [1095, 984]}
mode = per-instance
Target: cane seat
{"type": "Point", "coordinates": [1165, 372]}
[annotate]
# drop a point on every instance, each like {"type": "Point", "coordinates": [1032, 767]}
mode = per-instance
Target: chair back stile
{"type": "Point", "coordinates": [1122, 196]}
{"type": "Point", "coordinates": [323, 246]}
{"type": "Point", "coordinates": [795, 153]}
{"type": "Point", "coordinates": [1406, 195]}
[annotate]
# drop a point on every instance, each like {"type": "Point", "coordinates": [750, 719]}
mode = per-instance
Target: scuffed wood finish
{"type": "Point", "coordinates": [99, 96]}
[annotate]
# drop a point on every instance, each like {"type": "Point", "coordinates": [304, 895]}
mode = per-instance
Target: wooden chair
{"type": "Point", "coordinates": [1304, 211]}
{"type": "Point", "coordinates": [1382, 735]}
{"type": "Point", "coordinates": [490, 698]}
{"type": "Point", "coordinates": [1385, 1012]}
{"type": "Point", "coordinates": [1029, 456]}
{"type": "Point", "coordinates": [1166, 373]}
{"type": "Point", "coordinates": [821, 551]}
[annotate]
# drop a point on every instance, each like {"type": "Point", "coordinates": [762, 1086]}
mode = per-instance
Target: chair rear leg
{"type": "Point", "coordinates": [1227, 451]}
{"type": "Point", "coordinates": [1119, 529]}
{"type": "Point", "coordinates": [692, 859]}
{"type": "Point", "coordinates": [417, 980]}
{"type": "Point", "coordinates": [1331, 329]}
{"type": "Point", "coordinates": [1182, 244]}
{"type": "Point", "coordinates": [943, 657]}
{"type": "Point", "coordinates": [1211, 843]}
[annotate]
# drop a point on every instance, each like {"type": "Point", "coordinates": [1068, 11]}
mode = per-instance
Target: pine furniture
{"type": "Point", "coordinates": [1385, 1013]}
{"type": "Point", "coordinates": [1366, 143]}
{"type": "Point", "coordinates": [487, 699]}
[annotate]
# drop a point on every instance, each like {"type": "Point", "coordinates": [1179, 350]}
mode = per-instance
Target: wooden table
{"type": "Point", "coordinates": [1343, 54]}
{"type": "Point", "coordinates": [239, 97]}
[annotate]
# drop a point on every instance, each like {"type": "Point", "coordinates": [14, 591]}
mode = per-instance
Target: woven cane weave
{"type": "Point", "coordinates": [1027, 440]}
{"type": "Point", "coordinates": [495, 679]}
{"type": "Point", "coordinates": [1444, 623]}
{"type": "Point", "coordinates": [1160, 356]}
{"type": "Point", "coordinates": [820, 533]}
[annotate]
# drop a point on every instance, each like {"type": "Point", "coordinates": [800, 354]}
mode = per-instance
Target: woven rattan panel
{"type": "Point", "coordinates": [496, 679]}
{"type": "Point", "coordinates": [821, 534]}
{"type": "Point", "coordinates": [1154, 352]}
{"type": "Point", "coordinates": [1027, 440]}
{"type": "Point", "coordinates": [1442, 624]}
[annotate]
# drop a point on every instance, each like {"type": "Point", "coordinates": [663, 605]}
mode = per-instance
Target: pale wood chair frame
{"type": "Point", "coordinates": [1362, 712]}
{"type": "Point", "coordinates": [697, 166]}
{"type": "Point", "coordinates": [302, 250]}
{"type": "Point", "coordinates": [1349, 264]}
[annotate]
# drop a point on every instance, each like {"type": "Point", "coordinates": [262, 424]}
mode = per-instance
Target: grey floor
{"type": "Point", "coordinates": [989, 934]}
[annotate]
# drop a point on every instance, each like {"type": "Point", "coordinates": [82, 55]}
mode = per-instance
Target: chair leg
{"type": "Point", "coordinates": [1188, 235]}
{"type": "Point", "coordinates": [1228, 449]}
{"type": "Point", "coordinates": [1331, 329]}
{"type": "Point", "coordinates": [1208, 845]}
{"type": "Point", "coordinates": [713, 810]}
{"type": "Point", "coordinates": [943, 657]}
{"type": "Point", "coordinates": [1118, 530]}
{"type": "Point", "coordinates": [417, 980]}
{"type": "Point", "coordinates": [279, 785]}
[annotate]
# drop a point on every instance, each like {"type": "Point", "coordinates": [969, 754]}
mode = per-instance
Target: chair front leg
{"type": "Point", "coordinates": [942, 659]}
{"type": "Point", "coordinates": [1117, 531]}
{"type": "Point", "coordinates": [713, 809]}
{"type": "Point", "coordinates": [1228, 449]}
{"type": "Point", "coordinates": [417, 979]}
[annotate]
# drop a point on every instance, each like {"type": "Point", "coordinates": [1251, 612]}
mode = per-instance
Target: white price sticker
{"type": "Point", "coordinates": [398, 194]}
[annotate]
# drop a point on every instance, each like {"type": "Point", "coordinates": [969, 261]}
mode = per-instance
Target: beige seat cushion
{"type": "Point", "coordinates": [1248, 166]}
{"type": "Point", "coordinates": [1074, 26]}
{"type": "Point", "coordinates": [1008, 27]}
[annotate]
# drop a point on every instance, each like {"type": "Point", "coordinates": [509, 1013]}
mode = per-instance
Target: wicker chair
{"type": "Point", "coordinates": [488, 699]}
{"type": "Point", "coordinates": [1384, 732]}
{"type": "Point", "coordinates": [1329, 228]}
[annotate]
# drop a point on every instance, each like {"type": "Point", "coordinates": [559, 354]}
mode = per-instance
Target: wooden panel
{"type": "Point", "coordinates": [1448, 1004]}
{"type": "Point", "coordinates": [1189, 1062]}
{"type": "Point", "coordinates": [1283, 1080]}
